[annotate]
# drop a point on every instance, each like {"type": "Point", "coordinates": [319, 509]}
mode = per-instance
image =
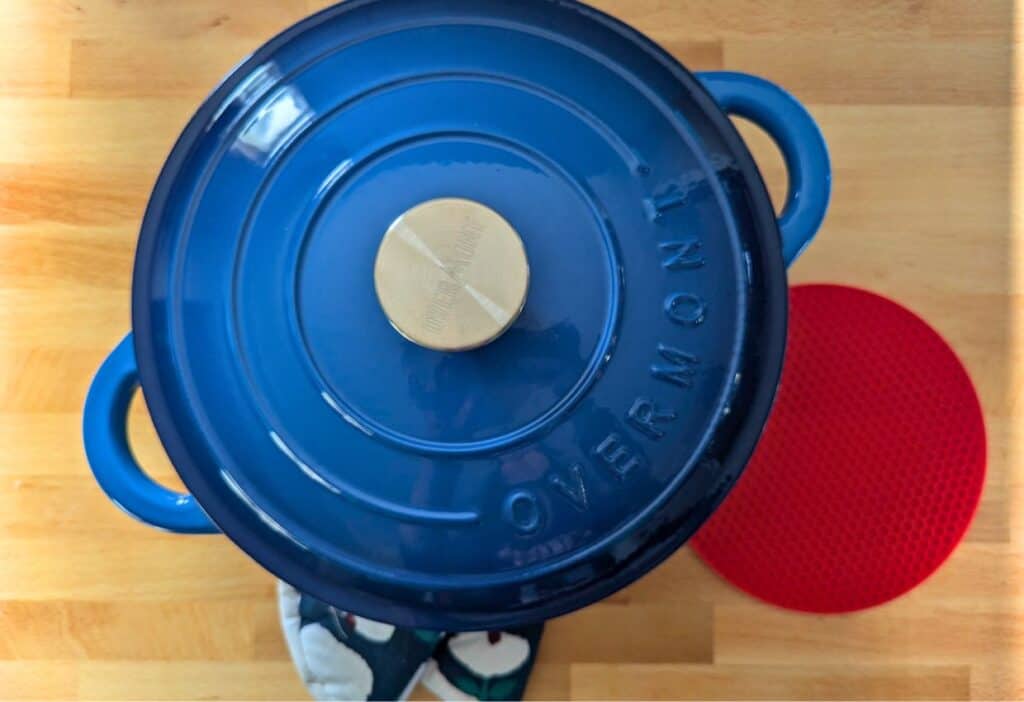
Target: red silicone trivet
{"type": "Point", "coordinates": [871, 465]}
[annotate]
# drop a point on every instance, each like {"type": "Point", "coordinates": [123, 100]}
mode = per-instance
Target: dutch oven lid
{"type": "Point", "coordinates": [585, 289]}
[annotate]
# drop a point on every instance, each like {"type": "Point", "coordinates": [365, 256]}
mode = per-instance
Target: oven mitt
{"type": "Point", "coordinates": [483, 665]}
{"type": "Point", "coordinates": [341, 656]}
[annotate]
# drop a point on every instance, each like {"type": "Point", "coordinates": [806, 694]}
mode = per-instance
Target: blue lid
{"type": "Point", "coordinates": [529, 476]}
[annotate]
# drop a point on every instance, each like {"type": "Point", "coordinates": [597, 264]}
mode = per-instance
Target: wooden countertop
{"type": "Point", "coordinates": [918, 100]}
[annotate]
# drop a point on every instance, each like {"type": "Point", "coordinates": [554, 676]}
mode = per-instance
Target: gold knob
{"type": "Point", "coordinates": [451, 275]}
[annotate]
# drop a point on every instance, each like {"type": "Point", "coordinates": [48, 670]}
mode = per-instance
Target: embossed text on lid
{"type": "Point", "coordinates": [451, 275]}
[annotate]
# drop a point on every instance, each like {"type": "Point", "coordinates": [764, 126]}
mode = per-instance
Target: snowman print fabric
{"type": "Point", "coordinates": [340, 656]}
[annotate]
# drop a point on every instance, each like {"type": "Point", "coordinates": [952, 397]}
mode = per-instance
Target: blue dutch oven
{"type": "Point", "coordinates": [483, 488]}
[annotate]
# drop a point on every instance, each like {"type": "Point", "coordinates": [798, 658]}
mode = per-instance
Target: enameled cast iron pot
{"type": "Point", "coordinates": [528, 476]}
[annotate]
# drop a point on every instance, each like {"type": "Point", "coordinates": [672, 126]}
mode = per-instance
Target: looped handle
{"type": "Point", "coordinates": [104, 429]}
{"type": "Point", "coordinates": [797, 135]}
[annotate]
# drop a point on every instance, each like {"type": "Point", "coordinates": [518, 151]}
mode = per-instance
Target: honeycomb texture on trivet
{"type": "Point", "coordinates": [871, 466]}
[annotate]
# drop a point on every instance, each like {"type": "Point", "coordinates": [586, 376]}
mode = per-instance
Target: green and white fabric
{"type": "Point", "coordinates": [341, 656]}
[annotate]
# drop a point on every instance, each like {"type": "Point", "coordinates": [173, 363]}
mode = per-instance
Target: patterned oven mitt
{"type": "Point", "coordinates": [341, 656]}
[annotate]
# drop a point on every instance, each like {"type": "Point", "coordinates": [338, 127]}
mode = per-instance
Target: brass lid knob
{"type": "Point", "coordinates": [451, 275]}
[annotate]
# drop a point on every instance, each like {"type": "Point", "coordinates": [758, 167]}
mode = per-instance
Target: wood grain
{"type": "Point", "coordinates": [919, 100]}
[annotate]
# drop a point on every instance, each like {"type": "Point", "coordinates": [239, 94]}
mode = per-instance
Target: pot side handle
{"type": "Point", "coordinates": [104, 429]}
{"type": "Point", "coordinates": [797, 135]}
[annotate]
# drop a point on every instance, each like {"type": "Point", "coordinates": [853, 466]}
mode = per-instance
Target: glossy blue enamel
{"type": "Point", "coordinates": [802, 145]}
{"type": "Point", "coordinates": [480, 489]}
{"type": "Point", "coordinates": [106, 446]}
